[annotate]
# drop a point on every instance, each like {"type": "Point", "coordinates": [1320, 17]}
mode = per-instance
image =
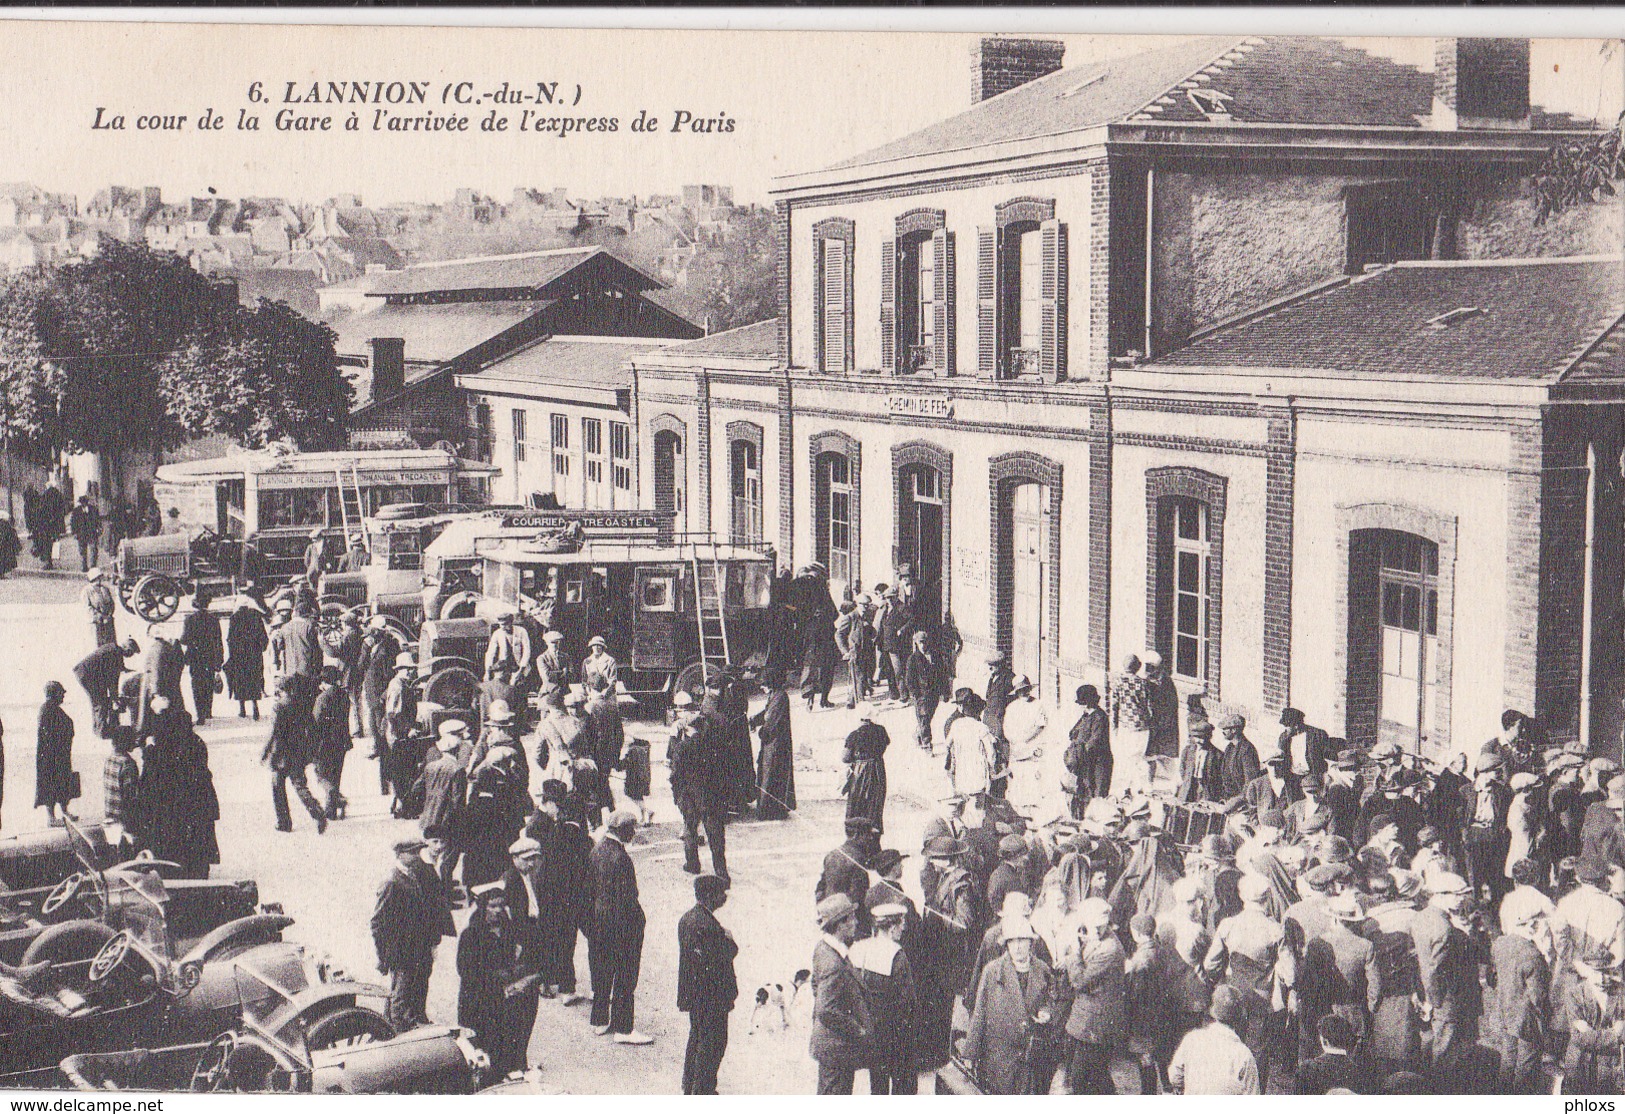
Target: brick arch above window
{"type": "Point", "coordinates": [1024, 467]}
{"type": "Point", "coordinates": [923, 452]}
{"type": "Point", "coordinates": [745, 431]}
{"type": "Point", "coordinates": [668, 423]}
{"type": "Point", "coordinates": [1210, 490]}
{"type": "Point", "coordinates": [1355, 524]}
{"type": "Point", "coordinates": [921, 220]}
{"type": "Point", "coordinates": [1019, 210]}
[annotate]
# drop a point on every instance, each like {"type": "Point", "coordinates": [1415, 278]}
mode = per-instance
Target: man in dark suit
{"type": "Point", "coordinates": [706, 985]}
{"type": "Point", "coordinates": [407, 923]}
{"type": "Point", "coordinates": [615, 942]}
{"type": "Point", "coordinates": [842, 1029]}
{"type": "Point", "coordinates": [442, 787]}
{"type": "Point", "coordinates": [1308, 749]}
{"type": "Point", "coordinates": [1334, 1067]}
{"type": "Point", "coordinates": [205, 652]}
{"type": "Point", "coordinates": [1447, 960]}
{"type": "Point", "coordinates": [846, 869]}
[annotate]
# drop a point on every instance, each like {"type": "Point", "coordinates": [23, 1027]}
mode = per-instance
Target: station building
{"type": "Point", "coordinates": [1248, 351]}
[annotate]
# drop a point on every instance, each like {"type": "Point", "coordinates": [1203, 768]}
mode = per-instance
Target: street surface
{"type": "Point", "coordinates": [328, 882]}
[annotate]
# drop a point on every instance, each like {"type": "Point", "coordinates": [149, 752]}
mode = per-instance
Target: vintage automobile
{"type": "Point", "coordinates": [78, 903]}
{"type": "Point", "coordinates": [672, 611]}
{"type": "Point", "coordinates": [138, 985]}
{"type": "Point", "coordinates": [434, 1060]}
{"type": "Point", "coordinates": [44, 858]}
{"type": "Point", "coordinates": [154, 574]}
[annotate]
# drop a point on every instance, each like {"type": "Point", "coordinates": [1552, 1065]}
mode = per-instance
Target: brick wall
{"type": "Point", "coordinates": [787, 466]}
{"type": "Point", "coordinates": [999, 64]}
{"type": "Point", "coordinates": [1280, 466]}
{"type": "Point", "coordinates": [701, 519]}
{"type": "Point", "coordinates": [1097, 357]}
{"type": "Point", "coordinates": [1563, 490]}
{"type": "Point", "coordinates": [1100, 535]}
{"type": "Point", "coordinates": [1523, 558]}
{"type": "Point", "coordinates": [781, 270]}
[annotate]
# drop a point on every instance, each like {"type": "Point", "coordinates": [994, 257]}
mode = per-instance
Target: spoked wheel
{"type": "Point", "coordinates": [348, 1027]}
{"type": "Point", "coordinates": [126, 594]}
{"type": "Point", "coordinates": [156, 597]}
{"type": "Point", "coordinates": [213, 1071]}
{"type": "Point", "coordinates": [453, 687]}
{"type": "Point", "coordinates": [691, 679]}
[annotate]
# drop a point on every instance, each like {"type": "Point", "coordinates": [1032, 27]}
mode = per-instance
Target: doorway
{"type": "Point", "coordinates": [922, 530]}
{"type": "Point", "coordinates": [1030, 580]}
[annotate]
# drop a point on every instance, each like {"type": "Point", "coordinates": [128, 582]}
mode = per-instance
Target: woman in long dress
{"type": "Point", "coordinates": [246, 640]}
{"type": "Point", "coordinates": [53, 758]}
{"type": "Point", "coordinates": [776, 778]}
{"type": "Point", "coordinates": [865, 757]}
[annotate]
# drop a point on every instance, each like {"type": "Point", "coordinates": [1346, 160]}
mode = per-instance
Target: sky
{"type": "Point", "coordinates": [795, 101]}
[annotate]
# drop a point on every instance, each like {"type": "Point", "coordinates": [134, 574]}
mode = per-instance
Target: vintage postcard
{"type": "Point", "coordinates": [599, 561]}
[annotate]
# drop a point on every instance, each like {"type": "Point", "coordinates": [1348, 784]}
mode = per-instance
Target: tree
{"type": "Point", "coordinates": [133, 350]}
{"type": "Point", "coordinates": [258, 376]}
{"type": "Point", "coordinates": [1579, 171]}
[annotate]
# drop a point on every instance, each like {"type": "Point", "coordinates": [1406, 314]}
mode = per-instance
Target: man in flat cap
{"type": "Point", "coordinates": [846, 868]}
{"type": "Point", "coordinates": [842, 1028]}
{"type": "Point", "coordinates": [706, 984]}
{"type": "Point", "coordinates": [1307, 748]}
{"type": "Point", "coordinates": [442, 786]}
{"type": "Point", "coordinates": [615, 942]}
{"type": "Point", "coordinates": [1602, 834]}
{"type": "Point", "coordinates": [1593, 1003]}
{"type": "Point", "coordinates": [1238, 764]}
{"type": "Point", "coordinates": [1212, 1060]}
{"type": "Point", "coordinates": [1587, 916]}
{"type": "Point", "coordinates": [408, 921]}
{"type": "Point", "coordinates": [951, 924]}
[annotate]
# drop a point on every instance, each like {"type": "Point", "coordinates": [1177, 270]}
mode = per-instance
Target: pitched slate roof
{"type": "Point", "coordinates": [432, 332]}
{"type": "Point", "coordinates": [532, 272]}
{"type": "Point", "coordinates": [1288, 79]}
{"type": "Point", "coordinates": [565, 361]}
{"type": "Point", "coordinates": [1526, 320]}
{"type": "Point", "coordinates": [760, 339]}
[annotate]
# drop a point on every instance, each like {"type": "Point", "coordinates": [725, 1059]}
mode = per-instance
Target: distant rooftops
{"type": "Point", "coordinates": [526, 275]}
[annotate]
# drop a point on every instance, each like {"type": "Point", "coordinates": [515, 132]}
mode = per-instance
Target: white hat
{"type": "Point", "coordinates": [453, 734]}
{"type": "Point", "coordinates": [1094, 912]}
{"type": "Point", "coordinates": [93, 573]}
{"type": "Point", "coordinates": [355, 537]}
{"type": "Point", "coordinates": [553, 636]}
{"type": "Point", "coordinates": [405, 661]}
{"type": "Point", "coordinates": [1150, 657]}
{"type": "Point", "coordinates": [524, 845]}
{"type": "Point", "coordinates": [681, 699]}
{"type": "Point", "coordinates": [1016, 928]}
{"type": "Point", "coordinates": [378, 622]}
{"type": "Point", "coordinates": [597, 640]}
{"type": "Point", "coordinates": [316, 533]}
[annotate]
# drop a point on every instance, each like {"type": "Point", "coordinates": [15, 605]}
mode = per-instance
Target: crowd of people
{"type": "Point", "coordinates": [1326, 919]}
{"type": "Point", "coordinates": [1199, 914]}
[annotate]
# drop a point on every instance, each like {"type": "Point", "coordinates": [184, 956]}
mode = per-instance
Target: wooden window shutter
{"type": "Point", "coordinates": [888, 307]}
{"type": "Point", "coordinates": [942, 249]}
{"type": "Point", "coordinates": [1052, 302]}
{"type": "Point", "coordinates": [836, 311]}
{"type": "Point", "coordinates": [820, 509]}
{"type": "Point", "coordinates": [987, 302]}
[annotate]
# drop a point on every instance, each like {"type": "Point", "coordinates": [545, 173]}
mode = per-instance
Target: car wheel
{"type": "Point", "coordinates": [347, 1027]}
{"type": "Point", "coordinates": [453, 687]}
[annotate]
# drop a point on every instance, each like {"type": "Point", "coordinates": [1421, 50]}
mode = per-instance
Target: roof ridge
{"type": "Point", "coordinates": [1584, 351]}
{"type": "Point", "coordinates": [431, 264]}
{"type": "Point", "coordinates": [1148, 106]}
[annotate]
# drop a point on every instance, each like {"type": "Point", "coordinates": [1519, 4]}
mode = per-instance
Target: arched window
{"type": "Point", "coordinates": [836, 460]}
{"type": "Point", "coordinates": [745, 483]}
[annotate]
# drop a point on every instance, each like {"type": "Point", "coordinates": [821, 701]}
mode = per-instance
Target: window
{"type": "Point", "coordinates": [1185, 510]}
{"type": "Point", "coordinates": [745, 469]}
{"type": "Point", "coordinates": [916, 304]}
{"type": "Point", "coordinates": [840, 518]}
{"type": "Point", "coordinates": [1387, 224]}
{"type": "Point", "coordinates": [620, 456]}
{"type": "Point", "coordinates": [1021, 293]}
{"type": "Point", "coordinates": [832, 320]}
{"type": "Point", "coordinates": [592, 446]}
{"type": "Point", "coordinates": [561, 453]}
{"type": "Point", "coordinates": [657, 593]}
{"type": "Point", "coordinates": [518, 436]}
{"type": "Point", "coordinates": [479, 430]}
{"type": "Point", "coordinates": [1409, 585]}
{"type": "Point", "coordinates": [1192, 570]}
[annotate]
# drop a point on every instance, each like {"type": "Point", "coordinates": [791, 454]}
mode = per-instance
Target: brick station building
{"type": "Point", "coordinates": [1244, 350]}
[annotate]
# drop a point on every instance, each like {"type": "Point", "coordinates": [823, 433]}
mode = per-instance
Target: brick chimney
{"type": "Point", "coordinates": [388, 367]}
{"type": "Point", "coordinates": [999, 64]}
{"type": "Point", "coordinates": [1480, 83]}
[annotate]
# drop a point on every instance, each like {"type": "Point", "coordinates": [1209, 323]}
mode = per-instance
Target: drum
{"type": "Point", "coordinates": [1189, 822]}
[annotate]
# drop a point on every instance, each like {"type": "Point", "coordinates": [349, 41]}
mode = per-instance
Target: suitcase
{"type": "Point", "coordinates": [1188, 823]}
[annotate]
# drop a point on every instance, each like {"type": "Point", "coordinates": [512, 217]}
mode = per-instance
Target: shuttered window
{"type": "Point", "coordinates": [832, 316]}
{"type": "Point", "coordinates": [1021, 293]}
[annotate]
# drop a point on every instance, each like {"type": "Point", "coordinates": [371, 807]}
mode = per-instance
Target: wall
{"type": "Point", "coordinates": [515, 483]}
{"type": "Point", "coordinates": [1502, 226]}
{"type": "Point", "coordinates": [966, 209]}
{"type": "Point", "coordinates": [1455, 472]}
{"type": "Point", "coordinates": [1241, 649]}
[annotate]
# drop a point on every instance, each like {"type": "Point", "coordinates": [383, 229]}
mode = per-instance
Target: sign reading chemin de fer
{"type": "Point", "coordinates": [920, 406]}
